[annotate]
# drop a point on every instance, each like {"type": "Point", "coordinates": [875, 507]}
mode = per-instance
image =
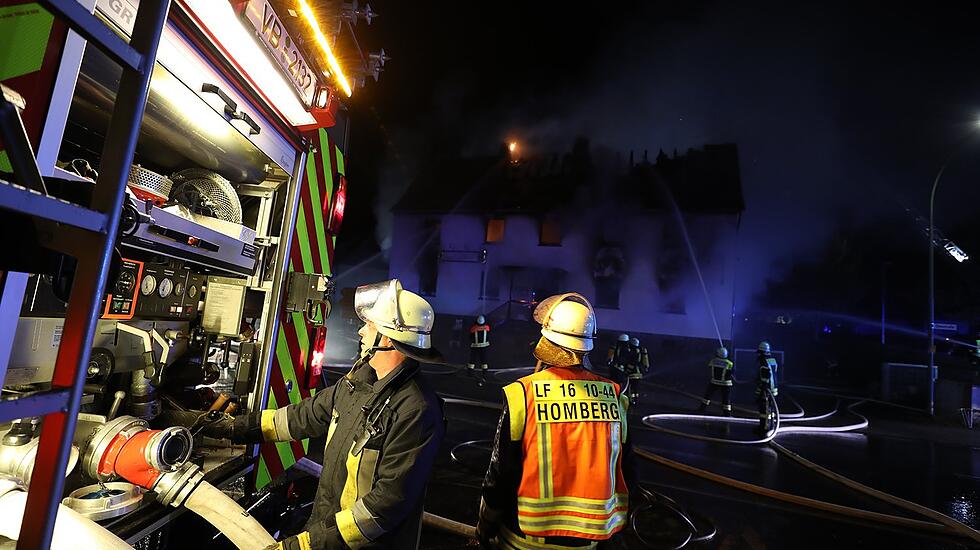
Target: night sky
{"type": "Point", "coordinates": [842, 113]}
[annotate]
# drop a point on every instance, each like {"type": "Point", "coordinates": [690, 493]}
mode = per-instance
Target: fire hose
{"type": "Point", "coordinates": [944, 525]}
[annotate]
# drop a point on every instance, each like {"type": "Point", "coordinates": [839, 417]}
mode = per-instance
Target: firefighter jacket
{"type": "Point", "coordinates": [767, 375]}
{"type": "Point", "coordinates": [721, 371]}
{"type": "Point", "coordinates": [556, 477]}
{"type": "Point", "coordinates": [382, 439]}
{"type": "Point", "coordinates": [480, 336]}
{"type": "Point", "coordinates": [638, 363]}
{"type": "Point", "coordinates": [619, 356]}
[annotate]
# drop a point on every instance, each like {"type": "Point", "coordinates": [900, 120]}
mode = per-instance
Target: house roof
{"type": "Point", "coordinates": [702, 180]}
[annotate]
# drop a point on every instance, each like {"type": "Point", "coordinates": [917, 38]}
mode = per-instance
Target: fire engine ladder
{"type": "Point", "coordinates": [88, 234]}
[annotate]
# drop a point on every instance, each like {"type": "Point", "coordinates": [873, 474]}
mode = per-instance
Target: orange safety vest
{"type": "Point", "coordinates": [572, 425]}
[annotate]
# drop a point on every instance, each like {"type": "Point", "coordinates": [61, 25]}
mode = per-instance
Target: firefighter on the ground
{"type": "Point", "coordinates": [479, 343]}
{"type": "Point", "coordinates": [383, 428]}
{"type": "Point", "coordinates": [556, 476]}
{"type": "Point", "coordinates": [617, 359]}
{"type": "Point", "coordinates": [721, 379]}
{"type": "Point", "coordinates": [766, 389]}
{"type": "Point", "coordinates": [637, 366]}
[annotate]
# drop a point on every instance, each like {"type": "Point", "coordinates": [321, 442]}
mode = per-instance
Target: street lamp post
{"type": "Point", "coordinates": [932, 292]}
{"type": "Point", "coordinates": [932, 273]}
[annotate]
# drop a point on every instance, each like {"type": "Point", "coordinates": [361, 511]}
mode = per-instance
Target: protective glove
{"type": "Point", "coordinates": [218, 426]}
{"type": "Point", "coordinates": [295, 542]}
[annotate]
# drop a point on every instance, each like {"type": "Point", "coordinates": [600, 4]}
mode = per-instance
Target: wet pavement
{"type": "Point", "coordinates": [901, 453]}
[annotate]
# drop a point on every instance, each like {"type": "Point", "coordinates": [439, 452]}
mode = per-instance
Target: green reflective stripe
{"type": "Point", "coordinates": [303, 236]}
{"type": "Point", "coordinates": [302, 337]}
{"type": "Point", "coordinates": [340, 162]}
{"type": "Point", "coordinates": [306, 445]}
{"type": "Point", "coordinates": [25, 29]}
{"type": "Point", "coordinates": [285, 454]}
{"type": "Point", "coordinates": [282, 448]}
{"type": "Point", "coordinates": [5, 162]}
{"type": "Point", "coordinates": [317, 206]}
{"type": "Point", "coordinates": [286, 367]}
{"type": "Point", "coordinates": [262, 478]}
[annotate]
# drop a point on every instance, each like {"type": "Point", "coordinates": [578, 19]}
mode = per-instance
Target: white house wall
{"type": "Point", "coordinates": [641, 302]}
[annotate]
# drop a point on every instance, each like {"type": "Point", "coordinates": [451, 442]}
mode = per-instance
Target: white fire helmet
{"type": "Point", "coordinates": [403, 316]}
{"type": "Point", "coordinates": [764, 347]}
{"type": "Point", "coordinates": [722, 352]}
{"type": "Point", "coordinates": [634, 342]}
{"type": "Point", "coordinates": [624, 337]}
{"type": "Point", "coordinates": [480, 320]}
{"type": "Point", "coordinates": [567, 320]}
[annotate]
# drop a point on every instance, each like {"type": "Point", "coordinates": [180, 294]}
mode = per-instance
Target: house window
{"type": "Point", "coordinates": [607, 293]}
{"type": "Point", "coordinates": [495, 230]}
{"type": "Point", "coordinates": [550, 233]}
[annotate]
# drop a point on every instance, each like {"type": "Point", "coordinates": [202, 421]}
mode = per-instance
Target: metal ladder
{"type": "Point", "coordinates": [88, 234]}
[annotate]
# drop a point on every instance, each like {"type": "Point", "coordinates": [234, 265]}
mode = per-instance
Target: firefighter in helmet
{"type": "Point", "coordinates": [721, 370]}
{"type": "Point", "coordinates": [383, 428]}
{"type": "Point", "coordinates": [637, 366]}
{"type": "Point", "coordinates": [556, 473]}
{"type": "Point", "coordinates": [479, 343]}
{"type": "Point", "coordinates": [766, 389]}
{"type": "Point", "coordinates": [617, 359]}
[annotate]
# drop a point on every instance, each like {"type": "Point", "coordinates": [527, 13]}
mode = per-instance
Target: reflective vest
{"type": "Point", "coordinates": [480, 335]}
{"type": "Point", "coordinates": [767, 375]}
{"type": "Point", "coordinates": [721, 371]}
{"type": "Point", "coordinates": [572, 425]}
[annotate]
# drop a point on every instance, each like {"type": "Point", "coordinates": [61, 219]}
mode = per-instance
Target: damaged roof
{"type": "Point", "coordinates": [702, 180]}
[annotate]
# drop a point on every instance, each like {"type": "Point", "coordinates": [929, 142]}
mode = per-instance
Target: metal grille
{"type": "Point", "coordinates": [208, 194]}
{"type": "Point", "coordinates": [150, 182]}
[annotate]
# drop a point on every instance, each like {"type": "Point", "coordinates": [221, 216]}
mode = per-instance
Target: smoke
{"type": "Point", "coordinates": [835, 111]}
{"type": "Point", "coordinates": [805, 98]}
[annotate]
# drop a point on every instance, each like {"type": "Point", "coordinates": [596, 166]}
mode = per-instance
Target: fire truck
{"type": "Point", "coordinates": [172, 183]}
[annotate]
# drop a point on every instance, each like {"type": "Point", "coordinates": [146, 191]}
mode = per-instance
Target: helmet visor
{"type": "Point", "coordinates": [543, 311]}
{"type": "Point", "coordinates": [377, 302]}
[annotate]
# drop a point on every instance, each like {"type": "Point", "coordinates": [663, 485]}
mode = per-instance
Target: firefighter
{"type": "Point", "coordinates": [556, 474]}
{"type": "Point", "coordinates": [721, 370]}
{"type": "Point", "coordinates": [479, 343]}
{"type": "Point", "coordinates": [766, 389]}
{"type": "Point", "coordinates": [636, 367]}
{"type": "Point", "coordinates": [618, 358]}
{"type": "Point", "coordinates": [383, 428]}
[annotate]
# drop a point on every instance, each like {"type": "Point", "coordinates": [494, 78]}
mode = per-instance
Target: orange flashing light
{"type": "Point", "coordinates": [338, 73]}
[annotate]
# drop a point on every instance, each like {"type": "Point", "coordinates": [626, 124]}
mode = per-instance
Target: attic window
{"type": "Point", "coordinates": [550, 233]}
{"type": "Point", "coordinates": [495, 230]}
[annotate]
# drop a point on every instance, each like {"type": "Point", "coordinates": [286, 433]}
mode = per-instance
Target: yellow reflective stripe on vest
{"type": "Point", "coordinates": [517, 408]}
{"type": "Point", "coordinates": [574, 524]}
{"type": "Point", "coordinates": [509, 539]}
{"type": "Point", "coordinates": [348, 529]}
{"type": "Point", "coordinates": [545, 484]}
{"type": "Point", "coordinates": [572, 504]}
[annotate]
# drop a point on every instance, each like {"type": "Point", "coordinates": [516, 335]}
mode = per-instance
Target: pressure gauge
{"type": "Point", "coordinates": [179, 288]}
{"type": "Point", "coordinates": [166, 287]}
{"type": "Point", "coordinates": [125, 283]}
{"type": "Point", "coordinates": [148, 285]}
{"type": "Point", "coordinates": [192, 291]}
